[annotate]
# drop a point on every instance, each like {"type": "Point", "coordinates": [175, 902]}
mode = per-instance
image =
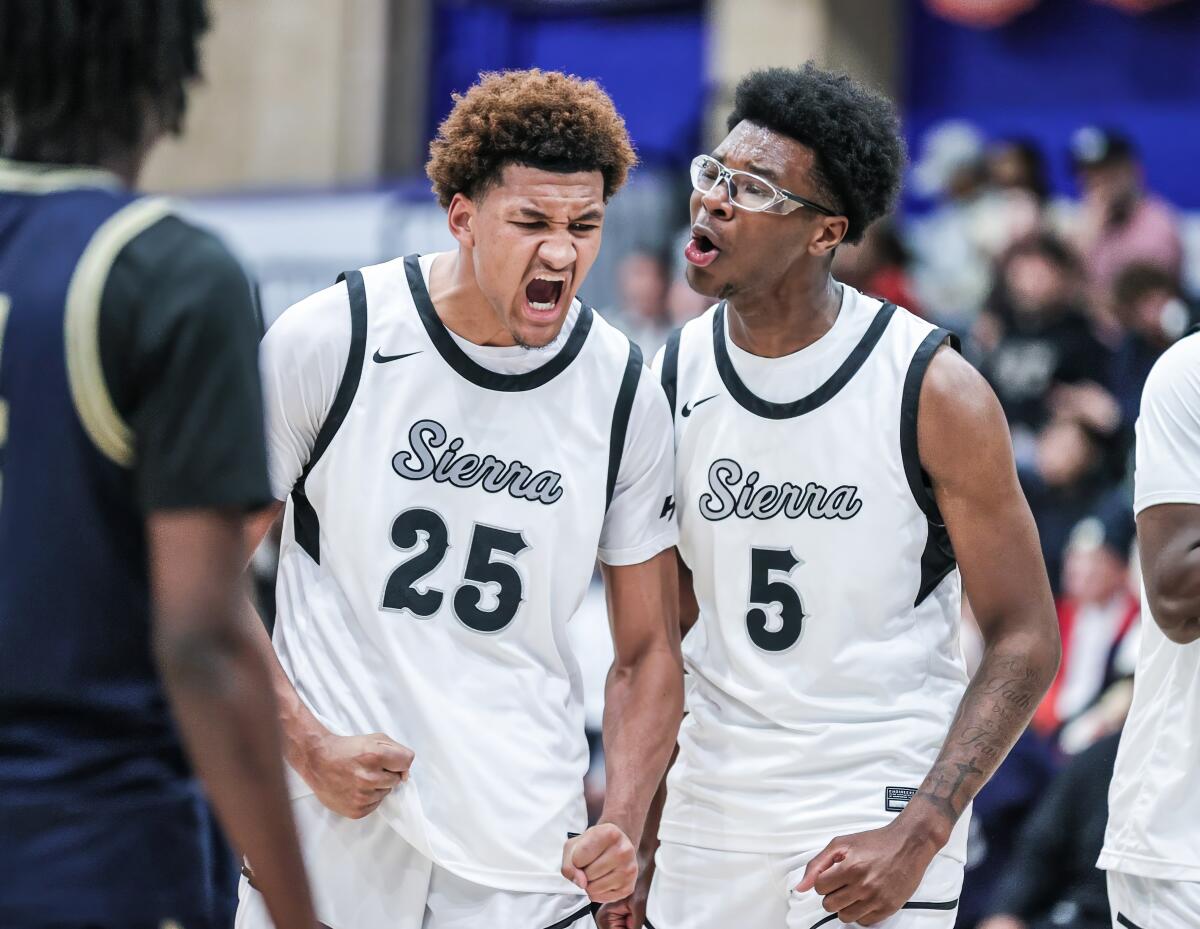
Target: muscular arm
{"type": "Point", "coordinates": [643, 698]}
{"type": "Point", "coordinates": [217, 683]}
{"type": "Point", "coordinates": [350, 775]}
{"type": "Point", "coordinates": [1169, 544]}
{"type": "Point", "coordinates": [966, 450]}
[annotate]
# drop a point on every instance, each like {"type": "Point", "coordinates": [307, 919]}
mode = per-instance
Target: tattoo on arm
{"type": "Point", "coordinates": [994, 711]}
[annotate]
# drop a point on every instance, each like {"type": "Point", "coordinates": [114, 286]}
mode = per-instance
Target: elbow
{"type": "Point", "coordinates": [197, 660]}
{"type": "Point", "coordinates": [1177, 617]}
{"type": "Point", "coordinates": [1174, 602]}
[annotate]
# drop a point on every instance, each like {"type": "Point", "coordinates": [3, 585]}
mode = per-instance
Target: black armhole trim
{"type": "Point", "coordinates": [912, 905]}
{"type": "Point", "coordinates": [469, 369]}
{"type": "Point", "coordinates": [937, 560]}
{"type": "Point", "coordinates": [670, 369]}
{"type": "Point", "coordinates": [305, 523]}
{"type": "Point", "coordinates": [588, 908]}
{"type": "Point", "coordinates": [620, 420]}
{"type": "Point", "coordinates": [1127, 922]}
{"type": "Point", "coordinates": [823, 394]}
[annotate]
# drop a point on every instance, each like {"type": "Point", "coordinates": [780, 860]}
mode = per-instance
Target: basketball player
{"type": "Point", "coordinates": [1152, 844]}
{"type": "Point", "coordinates": [458, 439]}
{"type": "Point", "coordinates": [837, 463]}
{"type": "Point", "coordinates": [131, 446]}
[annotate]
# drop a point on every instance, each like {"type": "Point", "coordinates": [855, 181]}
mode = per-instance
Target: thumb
{"type": "Point", "coordinates": [826, 858]}
{"type": "Point", "coordinates": [570, 871]}
{"type": "Point", "coordinates": [393, 756]}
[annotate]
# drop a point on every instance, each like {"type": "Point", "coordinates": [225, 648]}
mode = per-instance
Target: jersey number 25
{"type": "Point", "coordinates": [401, 592]}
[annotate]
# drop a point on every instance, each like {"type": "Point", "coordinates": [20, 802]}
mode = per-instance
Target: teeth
{"type": "Point", "coordinates": [542, 306]}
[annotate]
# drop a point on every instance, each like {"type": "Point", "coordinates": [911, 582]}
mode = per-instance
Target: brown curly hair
{"type": "Point", "coordinates": [543, 119]}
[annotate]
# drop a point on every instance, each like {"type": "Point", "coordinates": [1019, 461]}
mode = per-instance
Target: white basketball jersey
{"type": "Point", "coordinates": [442, 535]}
{"type": "Point", "coordinates": [825, 668]}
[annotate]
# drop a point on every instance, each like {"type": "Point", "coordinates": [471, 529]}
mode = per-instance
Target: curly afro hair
{"type": "Point", "coordinates": [854, 132]}
{"type": "Point", "coordinates": [542, 119]}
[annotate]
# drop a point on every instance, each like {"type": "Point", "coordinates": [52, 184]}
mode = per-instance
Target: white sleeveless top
{"type": "Point", "coordinates": [825, 669]}
{"type": "Point", "coordinates": [442, 531]}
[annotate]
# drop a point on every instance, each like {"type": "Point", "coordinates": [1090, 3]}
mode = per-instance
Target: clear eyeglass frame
{"type": "Point", "coordinates": [707, 173]}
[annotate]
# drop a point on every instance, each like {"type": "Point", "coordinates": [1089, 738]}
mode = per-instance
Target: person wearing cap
{"type": "Point", "coordinates": [1120, 222]}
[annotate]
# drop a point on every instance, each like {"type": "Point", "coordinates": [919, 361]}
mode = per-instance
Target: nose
{"type": "Point", "coordinates": [557, 250]}
{"type": "Point", "coordinates": [716, 201]}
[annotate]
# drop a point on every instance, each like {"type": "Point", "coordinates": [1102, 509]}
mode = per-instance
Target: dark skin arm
{"type": "Point", "coordinates": [966, 450]}
{"type": "Point", "coordinates": [630, 913]}
{"type": "Point", "coordinates": [1169, 546]}
{"type": "Point", "coordinates": [350, 775]}
{"type": "Point", "coordinates": [220, 693]}
{"type": "Point", "coordinates": [643, 704]}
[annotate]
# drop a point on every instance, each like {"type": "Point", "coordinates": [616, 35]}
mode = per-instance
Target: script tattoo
{"type": "Point", "coordinates": [994, 710]}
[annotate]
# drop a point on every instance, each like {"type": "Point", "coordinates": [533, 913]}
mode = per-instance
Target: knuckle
{"type": "Point", "coordinates": [827, 906]}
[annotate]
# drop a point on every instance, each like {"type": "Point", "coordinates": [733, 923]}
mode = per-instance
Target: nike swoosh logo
{"type": "Point", "coordinates": [384, 359]}
{"type": "Point", "coordinates": [688, 407]}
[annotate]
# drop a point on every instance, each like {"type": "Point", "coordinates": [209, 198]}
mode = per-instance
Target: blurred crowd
{"type": "Point", "coordinates": [1064, 305]}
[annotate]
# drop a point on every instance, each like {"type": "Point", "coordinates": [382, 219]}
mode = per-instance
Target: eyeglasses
{"type": "Point", "coordinates": [749, 191]}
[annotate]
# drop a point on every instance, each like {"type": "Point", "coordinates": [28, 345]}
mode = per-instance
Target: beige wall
{"type": "Point", "coordinates": [294, 95]}
{"type": "Point", "coordinates": [857, 36]}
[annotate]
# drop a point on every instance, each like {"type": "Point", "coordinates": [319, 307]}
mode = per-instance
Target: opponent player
{"type": "Point", "coordinates": [1152, 844]}
{"type": "Point", "coordinates": [131, 446]}
{"type": "Point", "coordinates": [836, 464]}
{"type": "Point", "coordinates": [458, 439]}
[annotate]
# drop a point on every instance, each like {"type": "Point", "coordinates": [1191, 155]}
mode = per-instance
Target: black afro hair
{"type": "Point", "coordinates": [854, 132]}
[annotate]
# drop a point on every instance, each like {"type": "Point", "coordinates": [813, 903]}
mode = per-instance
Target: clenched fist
{"type": "Point", "coordinates": [603, 862]}
{"type": "Point", "coordinates": [352, 774]}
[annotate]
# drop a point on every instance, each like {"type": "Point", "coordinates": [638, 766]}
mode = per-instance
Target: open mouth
{"type": "Point", "coordinates": [542, 295]}
{"type": "Point", "coordinates": [700, 251]}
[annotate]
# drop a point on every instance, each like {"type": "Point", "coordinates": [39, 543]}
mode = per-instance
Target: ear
{"type": "Point", "coordinates": [459, 216]}
{"type": "Point", "coordinates": [828, 235]}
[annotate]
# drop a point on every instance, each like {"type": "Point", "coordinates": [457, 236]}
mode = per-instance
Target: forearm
{"type": "Point", "coordinates": [218, 686]}
{"type": "Point", "coordinates": [999, 702]}
{"type": "Point", "coordinates": [300, 727]}
{"type": "Point", "coordinates": [643, 704]}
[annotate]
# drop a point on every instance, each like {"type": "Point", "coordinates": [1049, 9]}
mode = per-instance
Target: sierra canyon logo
{"type": "Point", "coordinates": [730, 495]}
{"type": "Point", "coordinates": [493, 474]}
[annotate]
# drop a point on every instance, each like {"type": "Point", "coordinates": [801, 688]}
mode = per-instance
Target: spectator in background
{"type": "Point", "coordinates": [1064, 482]}
{"type": "Point", "coordinates": [1096, 611]}
{"type": "Point", "coordinates": [1017, 165]}
{"type": "Point", "coordinates": [1052, 881]}
{"type": "Point", "coordinates": [1153, 312]}
{"type": "Point", "coordinates": [975, 221]}
{"type": "Point", "coordinates": [1036, 335]}
{"type": "Point", "coordinates": [878, 266]}
{"type": "Point", "coordinates": [642, 283]}
{"type": "Point", "coordinates": [1120, 223]}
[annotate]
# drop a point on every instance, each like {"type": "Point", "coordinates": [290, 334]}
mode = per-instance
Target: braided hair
{"type": "Point", "coordinates": [82, 81]}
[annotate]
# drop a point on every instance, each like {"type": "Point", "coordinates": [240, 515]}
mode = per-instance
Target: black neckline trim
{"type": "Point", "coordinates": [461, 362]}
{"type": "Point", "coordinates": [826, 392]}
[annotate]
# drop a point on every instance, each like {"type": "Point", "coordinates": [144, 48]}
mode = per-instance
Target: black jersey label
{"type": "Point", "coordinates": [896, 798]}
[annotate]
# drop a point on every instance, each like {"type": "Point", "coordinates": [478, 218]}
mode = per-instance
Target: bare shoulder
{"type": "Point", "coordinates": [960, 423]}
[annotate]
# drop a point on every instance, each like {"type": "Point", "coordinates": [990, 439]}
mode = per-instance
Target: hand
{"type": "Point", "coordinates": [629, 913]}
{"type": "Point", "coordinates": [351, 775]}
{"type": "Point", "coordinates": [867, 877]}
{"type": "Point", "coordinates": [603, 862]}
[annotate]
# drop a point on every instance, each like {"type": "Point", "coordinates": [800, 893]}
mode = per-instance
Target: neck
{"type": "Point", "coordinates": [787, 317]}
{"type": "Point", "coordinates": [461, 305]}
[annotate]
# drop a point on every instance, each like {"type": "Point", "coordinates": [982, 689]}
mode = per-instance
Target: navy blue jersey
{"type": "Point", "coordinates": [101, 819]}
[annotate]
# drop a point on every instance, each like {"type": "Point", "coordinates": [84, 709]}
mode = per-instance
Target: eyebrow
{"type": "Point", "coordinates": [769, 173]}
{"type": "Point", "coordinates": [592, 215]}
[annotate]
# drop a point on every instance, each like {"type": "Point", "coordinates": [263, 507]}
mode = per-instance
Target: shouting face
{"type": "Point", "coordinates": [735, 250]}
{"type": "Point", "coordinates": [533, 237]}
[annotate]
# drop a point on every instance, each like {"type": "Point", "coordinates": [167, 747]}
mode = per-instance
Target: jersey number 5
{"type": "Point", "coordinates": [401, 593]}
{"type": "Point", "coordinates": [776, 615]}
